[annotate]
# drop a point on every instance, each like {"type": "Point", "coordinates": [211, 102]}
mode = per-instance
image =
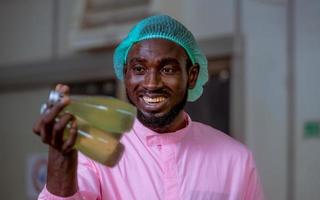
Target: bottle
{"type": "Point", "coordinates": [101, 122]}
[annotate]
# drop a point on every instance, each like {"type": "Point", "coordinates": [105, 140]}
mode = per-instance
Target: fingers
{"type": "Point", "coordinates": [54, 136]}
{"type": "Point", "coordinates": [51, 130]}
{"type": "Point", "coordinates": [44, 133]}
{"type": "Point", "coordinates": [37, 126]}
{"type": "Point", "coordinates": [54, 111]}
{"type": "Point", "coordinates": [58, 130]}
{"type": "Point", "coordinates": [71, 140]}
{"type": "Point", "coordinates": [48, 117]}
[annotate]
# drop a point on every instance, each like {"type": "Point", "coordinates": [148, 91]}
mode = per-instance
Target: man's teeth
{"type": "Point", "coordinates": [153, 100]}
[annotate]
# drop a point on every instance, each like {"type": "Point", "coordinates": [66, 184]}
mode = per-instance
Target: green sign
{"type": "Point", "coordinates": [312, 129]}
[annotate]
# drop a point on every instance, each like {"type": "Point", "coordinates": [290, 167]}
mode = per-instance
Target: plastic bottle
{"type": "Point", "coordinates": [101, 122]}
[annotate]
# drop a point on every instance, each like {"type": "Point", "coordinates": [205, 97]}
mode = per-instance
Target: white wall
{"type": "Point", "coordinates": [19, 42]}
{"type": "Point", "coordinates": [173, 8]}
{"type": "Point", "coordinates": [19, 111]}
{"type": "Point", "coordinates": [269, 64]}
{"type": "Point", "coordinates": [263, 26]}
{"type": "Point", "coordinates": [208, 18]}
{"type": "Point", "coordinates": [307, 54]}
{"type": "Point", "coordinates": [65, 14]}
{"type": "Point", "coordinates": [205, 18]}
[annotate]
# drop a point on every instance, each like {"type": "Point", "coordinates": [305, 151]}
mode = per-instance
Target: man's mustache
{"type": "Point", "coordinates": [161, 91]}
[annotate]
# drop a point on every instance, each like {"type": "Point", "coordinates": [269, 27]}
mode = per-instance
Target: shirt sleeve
{"type": "Point", "coordinates": [46, 195]}
{"type": "Point", "coordinates": [254, 190]}
{"type": "Point", "coordinates": [88, 183]}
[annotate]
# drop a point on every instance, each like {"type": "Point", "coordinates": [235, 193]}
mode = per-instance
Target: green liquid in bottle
{"type": "Point", "coordinates": [105, 113]}
{"type": "Point", "coordinates": [101, 121]}
{"type": "Point", "coordinates": [99, 145]}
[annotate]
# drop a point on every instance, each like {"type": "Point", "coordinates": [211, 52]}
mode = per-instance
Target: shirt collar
{"type": "Point", "coordinates": [152, 138]}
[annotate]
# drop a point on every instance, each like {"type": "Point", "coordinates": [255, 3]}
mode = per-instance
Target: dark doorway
{"type": "Point", "coordinates": [213, 107]}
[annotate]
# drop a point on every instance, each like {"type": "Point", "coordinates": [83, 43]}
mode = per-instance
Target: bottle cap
{"type": "Point", "coordinates": [43, 108]}
{"type": "Point", "coordinates": [54, 97]}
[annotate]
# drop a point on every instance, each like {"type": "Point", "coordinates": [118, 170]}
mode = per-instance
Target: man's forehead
{"type": "Point", "coordinates": [156, 48]}
{"type": "Point", "coordinates": [163, 60]}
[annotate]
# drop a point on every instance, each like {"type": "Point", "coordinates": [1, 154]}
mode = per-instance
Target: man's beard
{"type": "Point", "coordinates": [153, 122]}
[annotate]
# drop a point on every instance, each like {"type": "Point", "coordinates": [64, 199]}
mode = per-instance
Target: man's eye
{"type": "Point", "coordinates": [168, 70]}
{"type": "Point", "coordinates": [138, 69]}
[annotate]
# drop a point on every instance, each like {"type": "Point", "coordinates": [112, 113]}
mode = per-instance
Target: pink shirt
{"type": "Point", "coordinates": [194, 163]}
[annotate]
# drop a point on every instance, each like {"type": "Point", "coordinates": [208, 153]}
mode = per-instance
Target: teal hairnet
{"type": "Point", "coordinates": [164, 27]}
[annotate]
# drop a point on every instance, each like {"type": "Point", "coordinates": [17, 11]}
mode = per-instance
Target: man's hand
{"type": "Point", "coordinates": [62, 159]}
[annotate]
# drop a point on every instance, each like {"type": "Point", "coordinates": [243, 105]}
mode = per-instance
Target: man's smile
{"type": "Point", "coordinates": [153, 100]}
{"type": "Point", "coordinates": [152, 104]}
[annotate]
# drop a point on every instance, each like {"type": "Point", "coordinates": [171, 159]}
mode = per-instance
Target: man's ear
{"type": "Point", "coordinates": [193, 73]}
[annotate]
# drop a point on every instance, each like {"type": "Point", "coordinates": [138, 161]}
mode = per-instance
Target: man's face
{"type": "Point", "coordinates": [157, 79]}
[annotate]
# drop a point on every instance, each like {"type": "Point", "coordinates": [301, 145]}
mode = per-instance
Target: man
{"type": "Point", "coordinates": [167, 155]}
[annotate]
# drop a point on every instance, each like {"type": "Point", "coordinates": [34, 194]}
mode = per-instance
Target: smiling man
{"type": "Point", "coordinates": [158, 74]}
{"type": "Point", "coordinates": [167, 155]}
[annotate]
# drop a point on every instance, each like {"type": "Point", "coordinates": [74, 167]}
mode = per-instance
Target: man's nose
{"type": "Point", "coordinates": [153, 80]}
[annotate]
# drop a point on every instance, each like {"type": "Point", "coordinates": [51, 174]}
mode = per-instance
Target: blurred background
{"type": "Point", "coordinates": [264, 78]}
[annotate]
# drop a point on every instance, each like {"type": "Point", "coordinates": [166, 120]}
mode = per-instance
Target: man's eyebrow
{"type": "Point", "coordinates": [163, 61]}
{"type": "Point", "coordinates": [137, 59]}
{"type": "Point", "coordinates": [169, 61]}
